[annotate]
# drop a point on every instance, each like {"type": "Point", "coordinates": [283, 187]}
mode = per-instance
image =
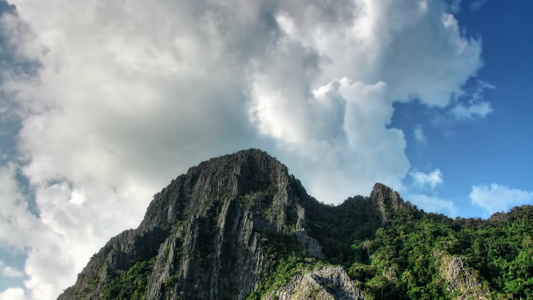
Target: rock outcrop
{"type": "Point", "coordinates": [325, 283]}
{"type": "Point", "coordinates": [241, 227]}
{"type": "Point", "coordinates": [203, 235]}
{"type": "Point", "coordinates": [387, 200]}
{"type": "Point", "coordinates": [462, 282]}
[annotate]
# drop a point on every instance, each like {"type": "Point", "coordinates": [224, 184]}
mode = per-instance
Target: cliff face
{"type": "Point", "coordinates": [202, 236]}
{"type": "Point", "coordinates": [387, 200]}
{"type": "Point", "coordinates": [240, 227]}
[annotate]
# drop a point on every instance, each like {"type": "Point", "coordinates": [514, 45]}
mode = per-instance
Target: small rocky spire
{"type": "Point", "coordinates": [386, 199]}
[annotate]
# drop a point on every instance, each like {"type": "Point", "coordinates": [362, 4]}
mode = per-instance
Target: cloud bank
{"type": "Point", "coordinates": [115, 98]}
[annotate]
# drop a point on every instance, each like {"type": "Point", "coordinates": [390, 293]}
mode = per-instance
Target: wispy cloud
{"type": "Point", "coordinates": [476, 5]}
{"type": "Point", "coordinates": [472, 111]}
{"type": "Point", "coordinates": [419, 135]}
{"type": "Point", "coordinates": [432, 179]}
{"type": "Point", "coordinates": [433, 204]}
{"type": "Point", "coordinates": [498, 198]}
{"type": "Point", "coordinates": [475, 107]}
{"type": "Point", "coordinates": [10, 272]}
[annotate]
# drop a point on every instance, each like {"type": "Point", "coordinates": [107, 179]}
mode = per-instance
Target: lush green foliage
{"type": "Point", "coordinates": [337, 227]}
{"type": "Point", "coordinates": [502, 250]}
{"type": "Point", "coordinates": [132, 284]}
{"type": "Point", "coordinates": [287, 259]}
{"type": "Point", "coordinates": [404, 260]}
{"type": "Point", "coordinates": [285, 270]}
{"type": "Point", "coordinates": [407, 257]}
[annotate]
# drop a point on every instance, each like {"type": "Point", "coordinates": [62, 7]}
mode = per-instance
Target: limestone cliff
{"type": "Point", "coordinates": [241, 227]}
{"type": "Point", "coordinates": [202, 236]}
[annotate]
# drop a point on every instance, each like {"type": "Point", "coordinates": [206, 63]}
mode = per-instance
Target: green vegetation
{"type": "Point", "coordinates": [404, 261]}
{"type": "Point", "coordinates": [337, 227]}
{"type": "Point", "coordinates": [258, 201]}
{"type": "Point", "coordinates": [414, 255]}
{"type": "Point", "coordinates": [132, 284]}
{"type": "Point", "coordinates": [285, 270]}
{"type": "Point", "coordinates": [287, 259]}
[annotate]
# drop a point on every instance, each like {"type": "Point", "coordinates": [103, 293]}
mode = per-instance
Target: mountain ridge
{"type": "Point", "coordinates": [240, 226]}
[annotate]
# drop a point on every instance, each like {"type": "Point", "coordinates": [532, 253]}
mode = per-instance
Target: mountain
{"type": "Point", "coordinates": [241, 227]}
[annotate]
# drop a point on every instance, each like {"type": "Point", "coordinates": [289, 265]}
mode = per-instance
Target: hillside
{"type": "Point", "coordinates": [241, 227]}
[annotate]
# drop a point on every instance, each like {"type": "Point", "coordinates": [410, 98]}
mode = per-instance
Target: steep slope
{"type": "Point", "coordinates": [240, 227]}
{"type": "Point", "coordinates": [211, 234]}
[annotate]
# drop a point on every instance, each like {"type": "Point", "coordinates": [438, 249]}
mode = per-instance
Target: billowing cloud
{"type": "Point", "coordinates": [498, 198]}
{"type": "Point", "coordinates": [123, 97]}
{"type": "Point", "coordinates": [13, 294]}
{"type": "Point", "coordinates": [432, 179]}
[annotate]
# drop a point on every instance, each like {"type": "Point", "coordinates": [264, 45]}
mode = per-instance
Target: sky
{"type": "Point", "coordinates": [102, 103]}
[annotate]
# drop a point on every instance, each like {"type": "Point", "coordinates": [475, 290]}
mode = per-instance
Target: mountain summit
{"type": "Point", "coordinates": [241, 227]}
{"type": "Point", "coordinates": [210, 234]}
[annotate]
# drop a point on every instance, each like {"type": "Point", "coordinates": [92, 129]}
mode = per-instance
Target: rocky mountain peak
{"type": "Point", "coordinates": [207, 234]}
{"type": "Point", "coordinates": [386, 199]}
{"type": "Point", "coordinates": [215, 180]}
{"type": "Point", "coordinates": [241, 227]}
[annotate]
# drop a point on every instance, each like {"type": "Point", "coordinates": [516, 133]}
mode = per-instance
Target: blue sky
{"type": "Point", "coordinates": [100, 110]}
{"type": "Point", "coordinates": [496, 149]}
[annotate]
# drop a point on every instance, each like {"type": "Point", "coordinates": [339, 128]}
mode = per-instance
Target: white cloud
{"type": "Point", "coordinates": [131, 93]}
{"type": "Point", "coordinates": [498, 198]}
{"type": "Point", "coordinates": [419, 135]}
{"type": "Point", "coordinates": [10, 272]}
{"type": "Point", "coordinates": [472, 111]}
{"type": "Point", "coordinates": [431, 180]}
{"type": "Point", "coordinates": [13, 294]}
{"type": "Point", "coordinates": [15, 217]}
{"type": "Point", "coordinates": [475, 108]}
{"type": "Point", "coordinates": [433, 204]}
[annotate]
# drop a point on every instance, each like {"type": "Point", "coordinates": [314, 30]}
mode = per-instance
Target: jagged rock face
{"type": "Point", "coordinates": [325, 283]}
{"type": "Point", "coordinates": [462, 281]}
{"type": "Point", "coordinates": [387, 200]}
{"type": "Point", "coordinates": [228, 229]}
{"type": "Point", "coordinates": [201, 234]}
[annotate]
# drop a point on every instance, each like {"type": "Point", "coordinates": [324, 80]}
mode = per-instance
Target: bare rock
{"type": "Point", "coordinates": [463, 282]}
{"type": "Point", "coordinates": [330, 282]}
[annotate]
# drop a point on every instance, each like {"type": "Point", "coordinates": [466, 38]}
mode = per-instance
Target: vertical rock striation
{"type": "Point", "coordinates": [200, 237]}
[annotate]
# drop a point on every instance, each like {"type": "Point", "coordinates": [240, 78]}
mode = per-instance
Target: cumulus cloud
{"type": "Point", "coordinates": [421, 179]}
{"type": "Point", "coordinates": [10, 272]}
{"type": "Point", "coordinates": [434, 204]}
{"type": "Point", "coordinates": [13, 294]}
{"type": "Point", "coordinates": [498, 198]}
{"type": "Point", "coordinates": [127, 95]}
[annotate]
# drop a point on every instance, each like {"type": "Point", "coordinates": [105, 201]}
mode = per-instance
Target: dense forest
{"type": "Point", "coordinates": [418, 255]}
